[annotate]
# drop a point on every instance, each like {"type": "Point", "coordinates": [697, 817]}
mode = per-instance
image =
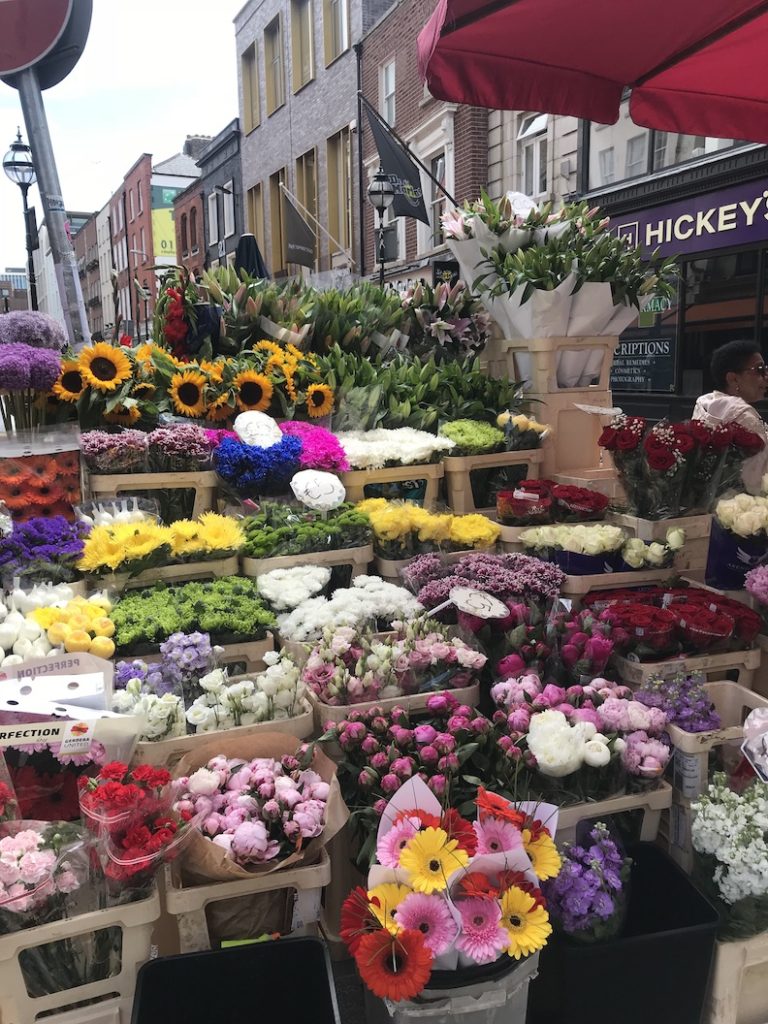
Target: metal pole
{"type": "Point", "coordinates": [31, 281]}
{"type": "Point", "coordinates": [381, 249]}
{"type": "Point", "coordinates": [64, 261]}
{"type": "Point", "coordinates": [360, 165]}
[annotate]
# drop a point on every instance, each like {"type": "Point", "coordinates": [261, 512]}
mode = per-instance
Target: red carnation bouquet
{"type": "Point", "coordinates": [529, 504]}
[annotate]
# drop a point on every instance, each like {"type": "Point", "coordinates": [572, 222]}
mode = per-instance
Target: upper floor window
{"type": "Point", "coordinates": [335, 28]}
{"type": "Point", "coordinates": [532, 154]}
{"type": "Point", "coordinates": [302, 49]}
{"type": "Point", "coordinates": [273, 57]}
{"type": "Point", "coordinates": [249, 71]}
{"type": "Point", "coordinates": [387, 92]}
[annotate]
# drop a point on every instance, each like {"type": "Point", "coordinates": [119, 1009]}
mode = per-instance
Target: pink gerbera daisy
{"type": "Point", "coordinates": [430, 916]}
{"type": "Point", "coordinates": [482, 936]}
{"type": "Point", "coordinates": [496, 836]}
{"type": "Point", "coordinates": [394, 842]}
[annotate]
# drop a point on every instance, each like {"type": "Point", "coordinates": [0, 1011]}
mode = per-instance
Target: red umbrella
{"type": "Point", "coordinates": [699, 67]}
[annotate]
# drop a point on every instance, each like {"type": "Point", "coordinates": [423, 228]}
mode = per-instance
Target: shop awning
{"type": "Point", "coordinates": [693, 66]}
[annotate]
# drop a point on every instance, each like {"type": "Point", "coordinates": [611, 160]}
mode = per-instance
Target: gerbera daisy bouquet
{"type": "Point", "coordinates": [447, 894]}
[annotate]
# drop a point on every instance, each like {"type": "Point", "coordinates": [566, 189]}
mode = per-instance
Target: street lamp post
{"type": "Point", "coordinates": [17, 164]}
{"type": "Point", "coordinates": [381, 195]}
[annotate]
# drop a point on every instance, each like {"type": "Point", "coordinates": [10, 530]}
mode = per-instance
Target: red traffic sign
{"type": "Point", "coordinates": [29, 30]}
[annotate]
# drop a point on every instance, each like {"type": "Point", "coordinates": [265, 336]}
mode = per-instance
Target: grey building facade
{"type": "Point", "coordinates": [221, 191]}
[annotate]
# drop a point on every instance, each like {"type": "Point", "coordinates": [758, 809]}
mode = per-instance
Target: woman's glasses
{"type": "Point", "coordinates": [761, 369]}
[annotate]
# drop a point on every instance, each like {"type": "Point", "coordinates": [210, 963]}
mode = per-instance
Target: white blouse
{"type": "Point", "coordinates": [716, 408]}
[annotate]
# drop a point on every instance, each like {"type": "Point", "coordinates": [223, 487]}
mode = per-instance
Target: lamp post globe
{"type": "Point", "coordinates": [18, 166]}
{"type": "Point", "coordinates": [381, 195]}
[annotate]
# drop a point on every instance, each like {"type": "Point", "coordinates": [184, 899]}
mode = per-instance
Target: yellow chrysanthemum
{"type": "Point", "coordinates": [372, 505]}
{"type": "Point", "coordinates": [542, 853]}
{"type": "Point", "coordinates": [391, 523]}
{"type": "Point", "coordinates": [436, 528]}
{"type": "Point", "coordinates": [187, 392]}
{"type": "Point", "coordinates": [474, 531]}
{"type": "Point", "coordinates": [101, 550]}
{"type": "Point", "coordinates": [45, 617]}
{"type": "Point", "coordinates": [430, 858]}
{"type": "Point", "coordinates": [186, 538]}
{"type": "Point", "coordinates": [526, 921]}
{"type": "Point", "coordinates": [384, 900]}
{"type": "Point", "coordinates": [220, 409]}
{"type": "Point", "coordinates": [141, 539]}
{"type": "Point", "coordinates": [122, 416]}
{"type": "Point", "coordinates": [253, 391]}
{"type": "Point", "coordinates": [104, 367]}
{"type": "Point", "coordinates": [319, 400]}
{"type": "Point", "coordinates": [70, 384]}
{"type": "Point", "coordinates": [221, 533]}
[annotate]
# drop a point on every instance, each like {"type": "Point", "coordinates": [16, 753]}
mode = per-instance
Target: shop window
{"type": "Point", "coordinates": [256, 215]}
{"type": "Point", "coordinates": [532, 153]}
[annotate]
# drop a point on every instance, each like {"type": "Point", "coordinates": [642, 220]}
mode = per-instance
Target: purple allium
{"type": "Point", "coordinates": [31, 328]}
{"type": "Point", "coordinates": [45, 367]}
{"type": "Point", "coordinates": [15, 365]}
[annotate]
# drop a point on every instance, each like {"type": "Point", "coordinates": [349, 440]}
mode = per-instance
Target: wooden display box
{"type": "Point", "coordinates": [202, 482]}
{"type": "Point", "coordinates": [554, 365]}
{"type": "Point", "coordinates": [713, 666]}
{"type": "Point", "coordinates": [359, 558]}
{"type": "Point", "coordinates": [651, 802]}
{"type": "Point", "coordinates": [458, 479]}
{"type": "Point", "coordinates": [188, 904]}
{"type": "Point", "coordinates": [356, 480]}
{"type": "Point", "coordinates": [603, 478]}
{"type": "Point", "coordinates": [579, 586]}
{"type": "Point", "coordinates": [693, 556]}
{"type": "Point", "coordinates": [183, 572]}
{"type": "Point", "coordinates": [575, 433]}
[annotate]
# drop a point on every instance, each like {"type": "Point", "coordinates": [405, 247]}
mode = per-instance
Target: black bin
{"type": "Point", "coordinates": [288, 980]}
{"type": "Point", "coordinates": [657, 971]}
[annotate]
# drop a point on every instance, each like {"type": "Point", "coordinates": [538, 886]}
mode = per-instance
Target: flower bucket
{"type": "Point", "coordinates": [574, 564]}
{"type": "Point", "coordinates": [730, 557]}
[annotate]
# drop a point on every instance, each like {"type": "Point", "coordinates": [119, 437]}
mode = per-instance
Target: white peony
{"type": "Point", "coordinates": [596, 753]}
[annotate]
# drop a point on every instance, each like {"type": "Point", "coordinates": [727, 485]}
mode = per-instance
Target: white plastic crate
{"type": "Point", "coordinates": [712, 666]}
{"type": "Point", "coordinates": [738, 990]}
{"type": "Point", "coordinates": [651, 803]}
{"type": "Point", "coordinates": [136, 922]}
{"type": "Point", "coordinates": [188, 904]}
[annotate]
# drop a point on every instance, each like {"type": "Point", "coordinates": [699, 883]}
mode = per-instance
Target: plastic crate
{"type": "Point", "coordinates": [458, 480]}
{"type": "Point", "coordinates": [115, 994]}
{"type": "Point", "coordinates": [650, 803]}
{"type": "Point", "coordinates": [579, 586]}
{"type": "Point", "coordinates": [431, 473]}
{"type": "Point", "coordinates": [738, 989]}
{"type": "Point", "coordinates": [693, 555]}
{"type": "Point", "coordinates": [553, 365]}
{"type": "Point", "coordinates": [410, 702]}
{"type": "Point", "coordinates": [573, 445]}
{"type": "Point", "coordinates": [202, 482]}
{"type": "Point", "coordinates": [359, 558]}
{"type": "Point", "coordinates": [690, 766]}
{"type": "Point", "coordinates": [713, 666]}
{"type": "Point", "coordinates": [301, 886]}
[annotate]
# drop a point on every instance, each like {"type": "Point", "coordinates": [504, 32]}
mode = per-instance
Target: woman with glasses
{"type": "Point", "coordinates": [740, 376]}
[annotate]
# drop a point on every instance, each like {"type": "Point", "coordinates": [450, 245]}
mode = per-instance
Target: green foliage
{"type": "Point", "coordinates": [284, 530]}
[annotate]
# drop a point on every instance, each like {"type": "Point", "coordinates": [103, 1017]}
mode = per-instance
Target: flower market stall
{"type": "Point", "coordinates": [316, 624]}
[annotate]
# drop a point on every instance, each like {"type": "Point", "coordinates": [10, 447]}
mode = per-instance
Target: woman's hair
{"type": "Point", "coordinates": [731, 358]}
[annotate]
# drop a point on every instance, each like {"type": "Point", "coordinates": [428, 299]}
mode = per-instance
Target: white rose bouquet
{"type": "Point", "coordinates": [579, 549]}
{"type": "Point", "coordinates": [738, 540]}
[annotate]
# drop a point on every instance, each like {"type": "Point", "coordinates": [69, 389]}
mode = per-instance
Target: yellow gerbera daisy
{"type": "Point", "coordinates": [542, 852]}
{"type": "Point", "coordinates": [430, 858]}
{"type": "Point", "coordinates": [104, 367]}
{"type": "Point", "coordinates": [253, 391]}
{"type": "Point", "coordinates": [124, 417]}
{"type": "Point", "coordinates": [221, 533]}
{"type": "Point", "coordinates": [70, 384]}
{"type": "Point", "coordinates": [186, 537]}
{"type": "Point", "coordinates": [384, 901]}
{"type": "Point", "coordinates": [187, 392]}
{"type": "Point", "coordinates": [319, 400]}
{"type": "Point", "coordinates": [526, 921]}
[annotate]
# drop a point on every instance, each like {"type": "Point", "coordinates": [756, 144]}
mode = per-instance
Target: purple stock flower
{"type": "Point", "coordinates": [683, 700]}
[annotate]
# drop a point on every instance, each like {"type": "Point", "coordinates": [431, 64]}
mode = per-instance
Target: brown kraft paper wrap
{"type": "Point", "coordinates": [204, 861]}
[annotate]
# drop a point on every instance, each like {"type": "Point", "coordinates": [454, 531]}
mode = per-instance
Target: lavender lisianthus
{"type": "Point", "coordinates": [28, 327]}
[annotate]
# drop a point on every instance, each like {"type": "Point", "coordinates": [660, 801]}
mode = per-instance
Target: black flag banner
{"type": "Point", "coordinates": [402, 172]}
{"type": "Point", "coordinates": [299, 236]}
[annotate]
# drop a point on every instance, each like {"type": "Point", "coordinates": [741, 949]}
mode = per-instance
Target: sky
{"type": "Point", "coordinates": [153, 72]}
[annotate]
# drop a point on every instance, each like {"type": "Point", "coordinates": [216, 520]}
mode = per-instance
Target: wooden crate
{"type": "Point", "coordinates": [713, 666]}
{"type": "Point", "coordinates": [602, 478]}
{"type": "Point", "coordinates": [738, 986]}
{"type": "Point", "coordinates": [188, 904]}
{"type": "Point", "coordinates": [693, 555]}
{"type": "Point", "coordinates": [459, 468]}
{"type": "Point", "coordinates": [554, 365]}
{"type": "Point", "coordinates": [356, 480]}
{"type": "Point", "coordinates": [412, 702]}
{"type": "Point", "coordinates": [651, 803]}
{"type": "Point", "coordinates": [579, 586]}
{"type": "Point", "coordinates": [359, 558]}
{"type": "Point", "coordinates": [203, 482]}
{"type": "Point", "coordinates": [169, 752]}
{"type": "Point", "coordinates": [573, 444]}
{"type": "Point", "coordinates": [135, 922]}
{"type": "Point", "coordinates": [184, 572]}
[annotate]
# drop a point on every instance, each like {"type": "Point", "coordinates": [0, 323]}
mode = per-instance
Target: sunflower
{"type": "Point", "coordinates": [144, 353]}
{"type": "Point", "coordinates": [526, 921]}
{"type": "Point", "coordinates": [542, 852]}
{"type": "Point", "coordinates": [143, 389]}
{"type": "Point", "coordinates": [319, 400]}
{"type": "Point", "coordinates": [275, 364]}
{"type": "Point", "coordinates": [269, 346]}
{"type": "Point", "coordinates": [290, 385]}
{"type": "Point", "coordinates": [220, 409]}
{"type": "Point", "coordinates": [220, 533]}
{"type": "Point", "coordinates": [253, 391]}
{"type": "Point", "coordinates": [122, 416]}
{"type": "Point", "coordinates": [394, 966]}
{"type": "Point", "coordinates": [70, 384]}
{"type": "Point", "coordinates": [430, 858]}
{"type": "Point", "coordinates": [104, 367]}
{"type": "Point", "coordinates": [384, 900]}
{"type": "Point", "coordinates": [214, 370]}
{"type": "Point", "coordinates": [186, 391]}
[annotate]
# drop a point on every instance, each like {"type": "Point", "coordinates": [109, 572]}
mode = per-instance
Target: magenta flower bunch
{"type": "Point", "coordinates": [256, 811]}
{"type": "Point", "coordinates": [320, 449]}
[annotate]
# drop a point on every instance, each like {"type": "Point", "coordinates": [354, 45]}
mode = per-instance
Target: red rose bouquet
{"type": "Point", "coordinates": [529, 504]}
{"type": "Point", "coordinates": [669, 450]}
{"type": "Point", "coordinates": [647, 632]}
{"type": "Point", "coordinates": [578, 504]}
{"type": "Point", "coordinates": [703, 627]}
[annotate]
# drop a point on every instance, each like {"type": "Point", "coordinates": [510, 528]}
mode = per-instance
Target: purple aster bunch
{"type": "Point", "coordinates": [178, 449]}
{"type": "Point", "coordinates": [187, 657]}
{"type": "Point", "coordinates": [504, 576]}
{"type": "Point", "coordinates": [424, 568]}
{"type": "Point", "coordinates": [125, 452]}
{"type": "Point", "coordinates": [23, 367]}
{"type": "Point", "coordinates": [43, 548]}
{"type": "Point", "coordinates": [38, 330]}
{"type": "Point", "coordinates": [588, 897]}
{"type": "Point", "coordinates": [253, 471]}
{"type": "Point", "coordinates": [684, 701]}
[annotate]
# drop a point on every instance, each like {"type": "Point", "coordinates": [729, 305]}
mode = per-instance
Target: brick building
{"type": "Point", "coordinates": [86, 248]}
{"type": "Point", "coordinates": [450, 139]}
{"type": "Point", "coordinates": [189, 225]}
{"type": "Point", "coordinates": [14, 295]}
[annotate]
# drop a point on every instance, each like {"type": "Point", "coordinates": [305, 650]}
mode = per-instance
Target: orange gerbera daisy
{"type": "Point", "coordinates": [67, 462]}
{"type": "Point", "coordinates": [41, 469]}
{"type": "Point", "coordinates": [394, 966]}
{"type": "Point", "coordinates": [15, 497]}
{"type": "Point", "coordinates": [489, 805]}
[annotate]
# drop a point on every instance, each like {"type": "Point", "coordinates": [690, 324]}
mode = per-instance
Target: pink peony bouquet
{"type": "Point", "coordinates": [346, 667]}
{"type": "Point", "coordinates": [256, 811]}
